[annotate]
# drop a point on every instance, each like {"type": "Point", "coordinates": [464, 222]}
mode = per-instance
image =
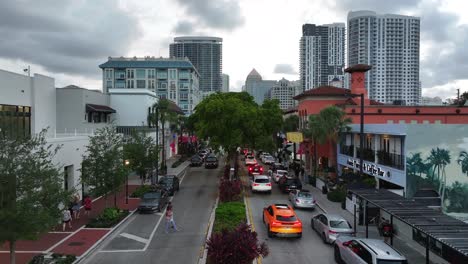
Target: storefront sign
{"type": "Point", "coordinates": [371, 169]}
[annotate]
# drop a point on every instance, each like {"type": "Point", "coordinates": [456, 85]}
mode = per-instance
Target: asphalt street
{"type": "Point", "coordinates": [142, 239]}
{"type": "Point", "coordinates": [308, 249]}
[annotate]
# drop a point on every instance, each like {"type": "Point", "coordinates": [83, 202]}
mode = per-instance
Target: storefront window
{"type": "Point", "coordinates": [15, 121]}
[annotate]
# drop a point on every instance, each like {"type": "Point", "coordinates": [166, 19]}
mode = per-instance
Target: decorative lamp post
{"type": "Point", "coordinates": [126, 162]}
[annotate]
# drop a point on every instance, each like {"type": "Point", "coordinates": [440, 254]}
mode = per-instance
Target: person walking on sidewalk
{"type": "Point", "coordinates": [87, 205]}
{"type": "Point", "coordinates": [76, 206]}
{"type": "Point", "coordinates": [66, 219]}
{"type": "Point", "coordinates": [170, 218]}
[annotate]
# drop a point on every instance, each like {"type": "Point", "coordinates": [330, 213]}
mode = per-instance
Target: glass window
{"type": "Point", "coordinates": [162, 85]}
{"type": "Point", "coordinates": [151, 73]}
{"type": "Point", "coordinates": [130, 73]}
{"type": "Point", "coordinates": [109, 84]}
{"type": "Point", "coordinates": [130, 84]}
{"type": "Point", "coordinates": [162, 74]}
{"type": "Point", "coordinates": [141, 83]}
{"type": "Point", "coordinates": [172, 74]}
{"type": "Point", "coordinates": [120, 84]}
{"type": "Point", "coordinates": [140, 74]}
{"type": "Point", "coordinates": [340, 224]}
{"type": "Point", "coordinates": [151, 84]}
{"type": "Point", "coordinates": [286, 218]}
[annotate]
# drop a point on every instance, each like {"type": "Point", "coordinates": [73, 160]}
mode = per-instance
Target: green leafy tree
{"type": "Point", "coordinates": [142, 153]}
{"type": "Point", "coordinates": [317, 133]}
{"type": "Point", "coordinates": [291, 123]}
{"type": "Point", "coordinates": [31, 189]}
{"type": "Point", "coordinates": [103, 167]}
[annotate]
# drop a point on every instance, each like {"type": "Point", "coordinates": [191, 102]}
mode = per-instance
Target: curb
{"type": "Point", "coordinates": [98, 243]}
{"type": "Point", "coordinates": [321, 207]}
{"type": "Point", "coordinates": [203, 258]}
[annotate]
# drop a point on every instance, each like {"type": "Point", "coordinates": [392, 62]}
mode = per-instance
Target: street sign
{"type": "Point", "coordinates": [295, 137]}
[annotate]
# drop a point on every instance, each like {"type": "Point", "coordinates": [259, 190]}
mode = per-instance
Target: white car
{"type": "Point", "coordinates": [278, 174]}
{"type": "Point", "coordinates": [261, 183]}
{"type": "Point", "coordinates": [250, 160]}
{"type": "Point", "coordinates": [269, 160]}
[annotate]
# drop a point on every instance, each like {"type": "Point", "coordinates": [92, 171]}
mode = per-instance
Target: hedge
{"type": "Point", "coordinates": [229, 215]}
{"type": "Point", "coordinates": [108, 218]}
{"type": "Point", "coordinates": [338, 195]}
{"type": "Point", "coordinates": [140, 191]}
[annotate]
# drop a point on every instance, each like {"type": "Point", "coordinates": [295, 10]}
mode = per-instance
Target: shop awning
{"type": "Point", "coordinates": [99, 108]}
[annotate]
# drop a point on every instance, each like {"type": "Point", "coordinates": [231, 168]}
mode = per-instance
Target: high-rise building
{"type": "Point", "coordinates": [257, 87]}
{"type": "Point", "coordinates": [322, 54]}
{"type": "Point", "coordinates": [284, 91]}
{"type": "Point", "coordinates": [206, 54]}
{"type": "Point", "coordinates": [175, 79]}
{"type": "Point", "coordinates": [390, 44]}
{"type": "Point", "coordinates": [225, 86]}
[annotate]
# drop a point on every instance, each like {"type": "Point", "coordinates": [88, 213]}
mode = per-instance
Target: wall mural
{"type": "Point", "coordinates": [437, 157]}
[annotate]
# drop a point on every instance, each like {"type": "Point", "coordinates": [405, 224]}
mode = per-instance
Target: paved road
{"type": "Point", "coordinates": [308, 249]}
{"type": "Point", "coordinates": [142, 239]}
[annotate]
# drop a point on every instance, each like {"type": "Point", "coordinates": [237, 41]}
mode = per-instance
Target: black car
{"type": "Point", "coordinates": [287, 184]}
{"type": "Point", "coordinates": [211, 162]}
{"type": "Point", "coordinates": [170, 183]}
{"type": "Point", "coordinates": [153, 201]}
{"type": "Point", "coordinates": [196, 161]}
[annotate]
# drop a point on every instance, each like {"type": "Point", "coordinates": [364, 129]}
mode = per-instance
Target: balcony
{"type": "Point", "coordinates": [391, 159]}
{"type": "Point", "coordinates": [347, 150]}
{"type": "Point", "coordinates": [367, 154]}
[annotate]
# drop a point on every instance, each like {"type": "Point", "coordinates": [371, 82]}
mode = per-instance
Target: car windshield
{"type": "Point", "coordinates": [286, 218]}
{"type": "Point", "coordinates": [339, 224]}
{"type": "Point", "coordinates": [389, 261]}
{"type": "Point", "coordinates": [211, 159]}
{"type": "Point", "coordinates": [262, 181]}
{"type": "Point", "coordinates": [152, 195]}
{"type": "Point", "coordinates": [195, 158]}
{"type": "Point", "coordinates": [250, 157]}
{"type": "Point", "coordinates": [304, 195]}
{"type": "Point", "coordinates": [292, 181]}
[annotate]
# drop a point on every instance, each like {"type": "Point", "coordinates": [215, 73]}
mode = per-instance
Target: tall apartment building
{"type": "Point", "coordinates": [390, 43]}
{"type": "Point", "coordinates": [321, 54]}
{"type": "Point", "coordinates": [206, 54]}
{"type": "Point", "coordinates": [257, 87]}
{"type": "Point", "coordinates": [175, 79]}
{"type": "Point", "coordinates": [225, 86]}
{"type": "Point", "coordinates": [284, 91]}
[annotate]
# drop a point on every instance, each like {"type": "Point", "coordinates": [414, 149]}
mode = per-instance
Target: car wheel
{"type": "Point", "coordinates": [324, 238]}
{"type": "Point", "coordinates": [337, 255]}
{"type": "Point", "coordinates": [300, 235]}
{"type": "Point", "coordinates": [269, 192]}
{"type": "Point", "coordinates": [270, 234]}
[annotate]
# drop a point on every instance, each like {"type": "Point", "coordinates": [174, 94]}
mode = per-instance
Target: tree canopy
{"type": "Point", "coordinates": [291, 123]}
{"type": "Point", "coordinates": [142, 153]}
{"type": "Point", "coordinates": [31, 189]}
{"type": "Point", "coordinates": [231, 120]}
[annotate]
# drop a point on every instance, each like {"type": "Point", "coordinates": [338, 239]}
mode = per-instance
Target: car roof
{"type": "Point", "coordinates": [261, 177]}
{"type": "Point", "coordinates": [334, 217]}
{"type": "Point", "coordinates": [381, 249]}
{"type": "Point", "coordinates": [283, 209]}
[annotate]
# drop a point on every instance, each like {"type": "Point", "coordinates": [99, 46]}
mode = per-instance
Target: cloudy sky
{"type": "Point", "coordinates": [68, 39]}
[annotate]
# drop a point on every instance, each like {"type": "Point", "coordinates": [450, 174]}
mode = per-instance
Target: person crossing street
{"type": "Point", "coordinates": [170, 218]}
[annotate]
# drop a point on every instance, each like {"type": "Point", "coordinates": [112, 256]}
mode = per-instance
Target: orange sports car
{"type": "Point", "coordinates": [281, 220]}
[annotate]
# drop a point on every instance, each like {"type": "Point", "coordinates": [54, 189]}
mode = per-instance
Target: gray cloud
{"type": "Point", "coordinates": [184, 27]}
{"type": "Point", "coordinates": [284, 69]}
{"type": "Point", "coordinates": [70, 37]}
{"type": "Point", "coordinates": [216, 14]}
{"type": "Point", "coordinates": [381, 6]}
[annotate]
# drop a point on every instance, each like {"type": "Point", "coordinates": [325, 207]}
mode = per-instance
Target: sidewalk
{"type": "Point", "coordinates": [77, 240]}
{"type": "Point", "coordinates": [413, 255]}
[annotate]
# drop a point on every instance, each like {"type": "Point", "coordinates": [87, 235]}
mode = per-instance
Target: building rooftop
{"type": "Point", "coordinates": [197, 39]}
{"type": "Point", "coordinates": [325, 90]}
{"type": "Point", "coordinates": [146, 62]}
{"type": "Point", "coordinates": [254, 75]}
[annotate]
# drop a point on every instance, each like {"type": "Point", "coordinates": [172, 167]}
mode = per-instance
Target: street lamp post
{"type": "Point", "coordinates": [127, 162]}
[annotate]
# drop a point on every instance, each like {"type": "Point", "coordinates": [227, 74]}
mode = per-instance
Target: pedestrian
{"type": "Point", "coordinates": [386, 229]}
{"type": "Point", "coordinates": [76, 206]}
{"type": "Point", "coordinates": [66, 219]}
{"type": "Point", "coordinates": [170, 218]}
{"type": "Point", "coordinates": [87, 205]}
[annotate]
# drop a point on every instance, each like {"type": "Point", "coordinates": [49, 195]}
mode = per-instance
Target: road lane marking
{"type": "Point", "coordinates": [133, 237]}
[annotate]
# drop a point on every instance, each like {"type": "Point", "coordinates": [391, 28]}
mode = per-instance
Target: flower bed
{"type": "Point", "coordinates": [108, 218]}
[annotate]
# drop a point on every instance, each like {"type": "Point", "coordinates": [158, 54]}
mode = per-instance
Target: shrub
{"type": "Point", "coordinates": [239, 246]}
{"type": "Point", "coordinates": [229, 215]}
{"type": "Point", "coordinates": [108, 218]}
{"type": "Point", "coordinates": [369, 181]}
{"type": "Point", "coordinates": [338, 195]}
{"type": "Point", "coordinates": [230, 190]}
{"type": "Point", "coordinates": [54, 259]}
{"type": "Point", "coordinates": [140, 191]}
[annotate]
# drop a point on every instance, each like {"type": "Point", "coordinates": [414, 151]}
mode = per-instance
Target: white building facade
{"type": "Point", "coordinates": [321, 54]}
{"type": "Point", "coordinates": [284, 91]}
{"type": "Point", "coordinates": [173, 79]}
{"type": "Point", "coordinates": [391, 44]}
{"type": "Point", "coordinates": [225, 86]}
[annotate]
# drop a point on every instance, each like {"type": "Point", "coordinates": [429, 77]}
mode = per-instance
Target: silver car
{"type": "Point", "coordinates": [351, 250]}
{"type": "Point", "coordinates": [302, 199]}
{"type": "Point", "coordinates": [329, 226]}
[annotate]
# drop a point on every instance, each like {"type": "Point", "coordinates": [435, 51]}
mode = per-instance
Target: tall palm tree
{"type": "Point", "coordinates": [463, 161]}
{"type": "Point", "coordinates": [439, 159]}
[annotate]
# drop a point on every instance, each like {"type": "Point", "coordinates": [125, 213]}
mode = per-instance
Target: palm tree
{"type": "Point", "coordinates": [315, 131]}
{"type": "Point", "coordinates": [440, 158]}
{"type": "Point", "coordinates": [463, 161]}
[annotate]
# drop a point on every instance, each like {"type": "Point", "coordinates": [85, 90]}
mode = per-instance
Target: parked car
{"type": "Point", "coordinates": [278, 174]}
{"type": "Point", "coordinates": [250, 160]}
{"type": "Point", "coordinates": [281, 220]}
{"type": "Point", "coordinates": [211, 162]}
{"type": "Point", "coordinates": [153, 201]}
{"type": "Point", "coordinates": [329, 226]}
{"type": "Point", "coordinates": [287, 184]}
{"type": "Point", "coordinates": [351, 250]}
{"type": "Point", "coordinates": [269, 160]}
{"type": "Point", "coordinates": [170, 183]}
{"type": "Point", "coordinates": [255, 170]}
{"type": "Point", "coordinates": [261, 183]}
{"type": "Point", "coordinates": [302, 199]}
{"type": "Point", "coordinates": [196, 161]}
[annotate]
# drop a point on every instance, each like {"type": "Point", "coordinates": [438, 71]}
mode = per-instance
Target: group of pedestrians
{"type": "Point", "coordinates": [74, 210]}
